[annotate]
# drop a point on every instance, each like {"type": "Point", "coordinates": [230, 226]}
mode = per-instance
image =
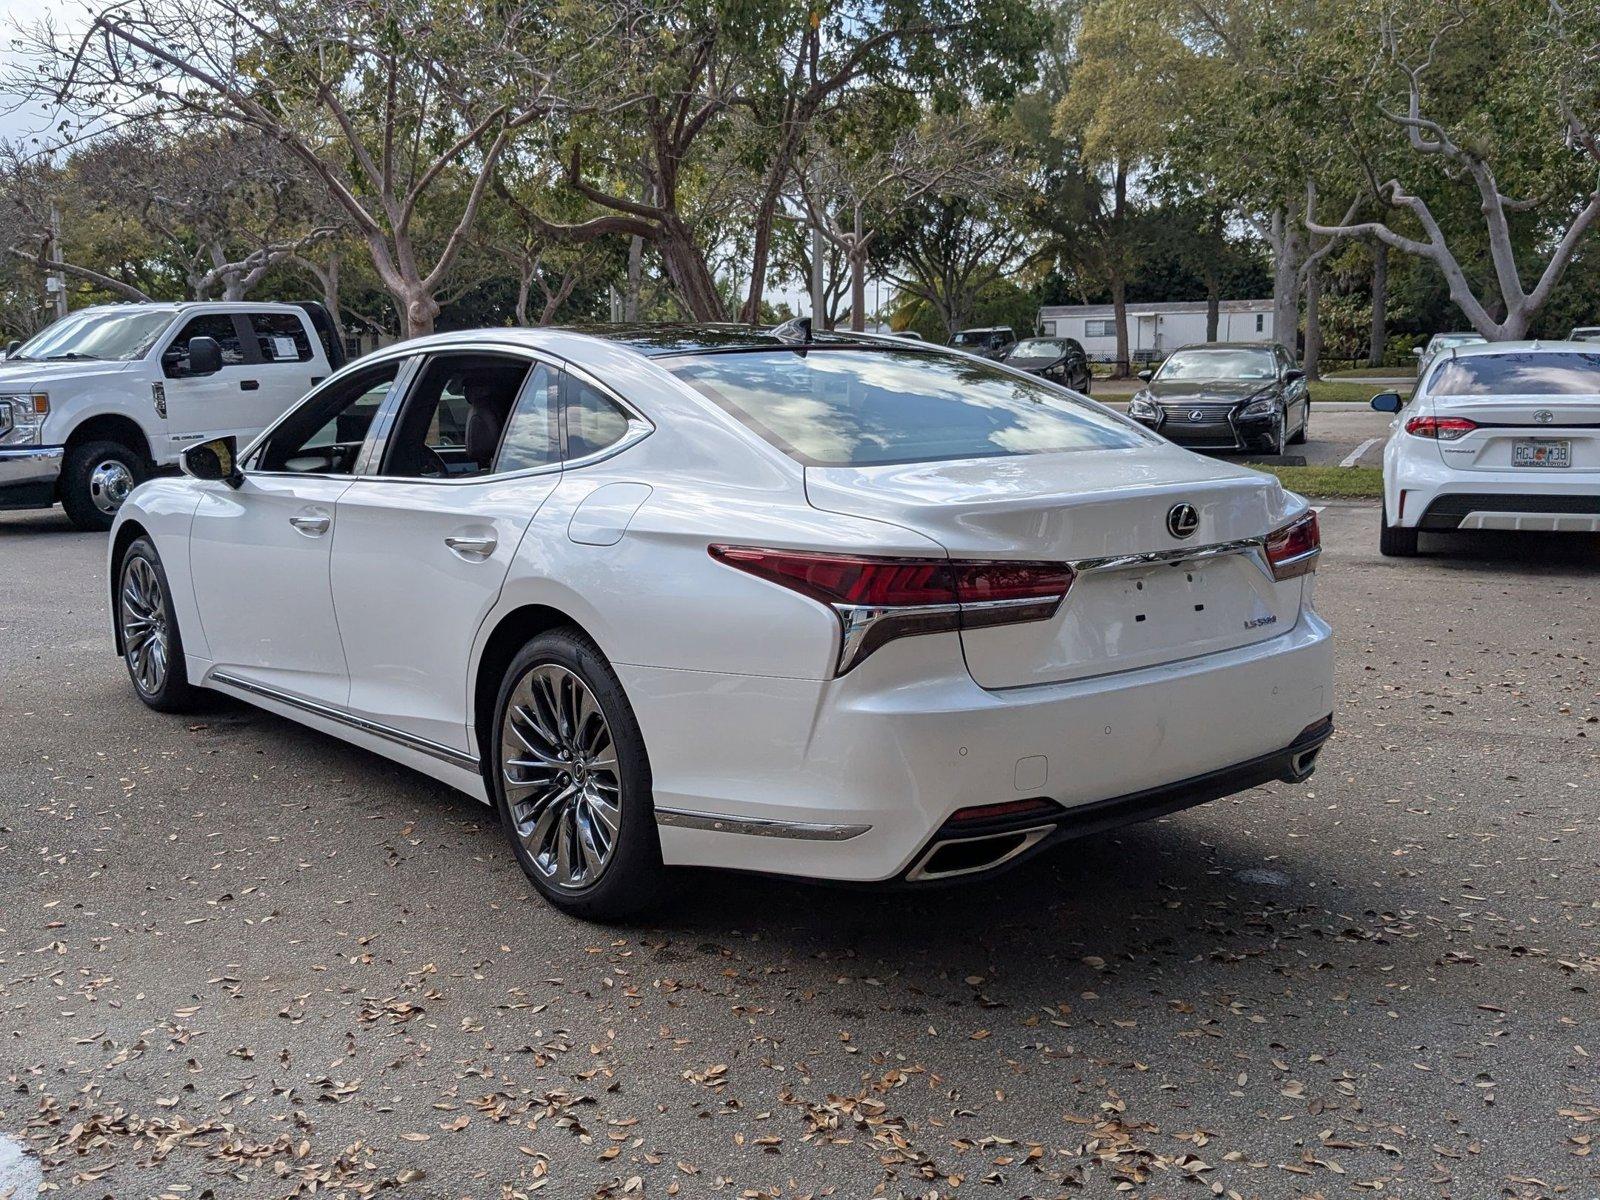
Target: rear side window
{"type": "Point", "coordinates": [850, 408]}
{"type": "Point", "coordinates": [533, 435]}
{"type": "Point", "coordinates": [1511, 374]}
{"type": "Point", "coordinates": [281, 336]}
{"type": "Point", "coordinates": [593, 422]}
{"type": "Point", "coordinates": [175, 362]}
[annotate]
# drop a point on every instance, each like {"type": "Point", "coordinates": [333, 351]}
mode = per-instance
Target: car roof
{"type": "Point", "coordinates": [1538, 346]}
{"type": "Point", "coordinates": [986, 329]}
{"type": "Point", "coordinates": [650, 341]}
{"type": "Point", "coordinates": [1227, 346]}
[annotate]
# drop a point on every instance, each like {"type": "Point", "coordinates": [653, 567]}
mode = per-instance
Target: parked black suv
{"type": "Point", "coordinates": [992, 341]}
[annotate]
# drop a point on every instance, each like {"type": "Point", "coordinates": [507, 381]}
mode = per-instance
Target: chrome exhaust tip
{"type": "Point", "coordinates": [1302, 764]}
{"type": "Point", "coordinates": [950, 857]}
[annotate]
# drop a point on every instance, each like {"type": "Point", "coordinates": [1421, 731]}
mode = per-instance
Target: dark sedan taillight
{"type": "Point", "coordinates": [880, 599]}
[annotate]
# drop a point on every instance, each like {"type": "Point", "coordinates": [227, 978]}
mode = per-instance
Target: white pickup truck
{"type": "Point", "coordinates": [110, 395]}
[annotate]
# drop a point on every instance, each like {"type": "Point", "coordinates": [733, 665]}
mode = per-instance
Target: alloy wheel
{"type": "Point", "coordinates": [563, 785]}
{"type": "Point", "coordinates": [144, 625]}
{"type": "Point", "coordinates": [109, 485]}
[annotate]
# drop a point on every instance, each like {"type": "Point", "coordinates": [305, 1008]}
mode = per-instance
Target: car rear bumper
{"type": "Point", "coordinates": [855, 778]}
{"type": "Point", "coordinates": [28, 475]}
{"type": "Point", "coordinates": [1551, 502]}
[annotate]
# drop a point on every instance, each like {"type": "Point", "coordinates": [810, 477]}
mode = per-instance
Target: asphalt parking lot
{"type": "Point", "coordinates": [1347, 435]}
{"type": "Point", "coordinates": [241, 959]}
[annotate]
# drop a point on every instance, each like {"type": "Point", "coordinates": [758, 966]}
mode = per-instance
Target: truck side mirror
{"type": "Point", "coordinates": [205, 356]}
{"type": "Point", "coordinates": [1388, 402]}
{"type": "Point", "coordinates": [217, 459]}
{"type": "Point", "coordinates": [12, 347]}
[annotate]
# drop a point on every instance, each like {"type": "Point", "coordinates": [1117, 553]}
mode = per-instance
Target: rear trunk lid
{"type": "Point", "coordinates": [1138, 609]}
{"type": "Point", "coordinates": [1542, 435]}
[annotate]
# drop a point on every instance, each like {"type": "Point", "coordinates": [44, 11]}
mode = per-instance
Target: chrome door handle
{"type": "Point", "coordinates": [471, 547]}
{"type": "Point", "coordinates": [311, 526]}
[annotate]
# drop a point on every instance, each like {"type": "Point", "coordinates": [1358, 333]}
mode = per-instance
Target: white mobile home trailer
{"type": "Point", "coordinates": [1156, 330]}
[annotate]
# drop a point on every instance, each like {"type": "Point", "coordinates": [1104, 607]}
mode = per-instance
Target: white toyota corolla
{"type": "Point", "coordinates": [1498, 435]}
{"type": "Point", "coordinates": [845, 608]}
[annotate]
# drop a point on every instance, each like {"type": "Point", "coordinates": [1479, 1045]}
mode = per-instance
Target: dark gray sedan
{"type": "Point", "coordinates": [1226, 396]}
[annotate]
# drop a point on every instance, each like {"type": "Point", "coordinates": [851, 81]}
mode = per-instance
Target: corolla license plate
{"type": "Point", "coordinates": [1541, 452]}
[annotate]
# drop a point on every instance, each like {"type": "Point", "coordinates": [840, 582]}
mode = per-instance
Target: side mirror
{"type": "Point", "coordinates": [1293, 374]}
{"type": "Point", "coordinates": [1389, 402]}
{"type": "Point", "coordinates": [205, 356]}
{"type": "Point", "coordinates": [1147, 374]}
{"type": "Point", "coordinates": [217, 459]}
{"type": "Point", "coordinates": [12, 347]}
{"type": "Point", "coordinates": [1416, 351]}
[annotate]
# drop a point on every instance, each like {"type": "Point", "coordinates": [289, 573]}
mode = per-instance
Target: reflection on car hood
{"type": "Point", "coordinates": [1206, 391]}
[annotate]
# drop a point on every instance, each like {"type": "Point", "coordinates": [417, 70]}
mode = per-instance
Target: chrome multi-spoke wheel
{"type": "Point", "coordinates": [562, 783]}
{"type": "Point", "coordinates": [145, 638]}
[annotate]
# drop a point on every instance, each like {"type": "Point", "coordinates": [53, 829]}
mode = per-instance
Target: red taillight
{"type": "Point", "coordinates": [1444, 429]}
{"type": "Point", "coordinates": [878, 599]}
{"type": "Point", "coordinates": [1293, 550]}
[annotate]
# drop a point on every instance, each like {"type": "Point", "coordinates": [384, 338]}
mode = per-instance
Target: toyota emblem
{"type": "Point", "coordinates": [1182, 520]}
{"type": "Point", "coordinates": [1544, 416]}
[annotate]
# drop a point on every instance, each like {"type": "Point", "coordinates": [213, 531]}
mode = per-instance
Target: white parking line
{"type": "Point", "coordinates": [1354, 456]}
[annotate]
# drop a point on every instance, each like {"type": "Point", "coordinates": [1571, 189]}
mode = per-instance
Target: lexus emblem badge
{"type": "Point", "coordinates": [1544, 416]}
{"type": "Point", "coordinates": [1197, 414]}
{"type": "Point", "coordinates": [1182, 520]}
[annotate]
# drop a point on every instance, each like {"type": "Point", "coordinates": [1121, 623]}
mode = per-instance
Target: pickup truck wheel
{"type": "Point", "coordinates": [96, 479]}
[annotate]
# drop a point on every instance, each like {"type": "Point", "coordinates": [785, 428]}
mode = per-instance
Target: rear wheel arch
{"type": "Point", "coordinates": [511, 633]}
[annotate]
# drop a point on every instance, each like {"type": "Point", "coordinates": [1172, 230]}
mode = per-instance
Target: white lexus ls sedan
{"type": "Point", "coordinates": [1498, 435]}
{"type": "Point", "coordinates": [845, 608]}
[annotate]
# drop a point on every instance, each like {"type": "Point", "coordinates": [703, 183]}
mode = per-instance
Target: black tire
{"type": "Point", "coordinates": [81, 493]}
{"type": "Point", "coordinates": [1395, 541]}
{"type": "Point", "coordinates": [632, 878]}
{"type": "Point", "coordinates": [172, 692]}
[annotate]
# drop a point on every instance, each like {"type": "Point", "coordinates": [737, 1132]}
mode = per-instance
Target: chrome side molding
{"type": "Point", "coordinates": [411, 741]}
{"type": "Point", "coordinates": [805, 831]}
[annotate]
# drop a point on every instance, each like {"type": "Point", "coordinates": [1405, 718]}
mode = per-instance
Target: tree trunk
{"type": "Point", "coordinates": [1119, 318]}
{"type": "Point", "coordinates": [418, 311]}
{"type": "Point", "coordinates": [690, 276]}
{"type": "Point", "coordinates": [1377, 345]}
{"type": "Point", "coordinates": [1313, 358]}
{"type": "Point", "coordinates": [1213, 305]}
{"type": "Point", "coordinates": [858, 277]}
{"type": "Point", "coordinates": [1286, 254]}
{"type": "Point", "coordinates": [630, 297]}
{"type": "Point", "coordinates": [524, 286]}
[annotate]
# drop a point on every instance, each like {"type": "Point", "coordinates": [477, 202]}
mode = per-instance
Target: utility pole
{"type": "Point", "coordinates": [858, 276]}
{"type": "Point", "coordinates": [56, 282]}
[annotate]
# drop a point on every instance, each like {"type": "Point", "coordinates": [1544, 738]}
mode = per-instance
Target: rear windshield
{"type": "Point", "coordinates": [1518, 375]}
{"type": "Point", "coordinates": [856, 408]}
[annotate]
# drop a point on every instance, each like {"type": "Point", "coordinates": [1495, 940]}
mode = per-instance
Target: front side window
{"type": "Point", "coordinates": [1218, 363]}
{"type": "Point", "coordinates": [175, 362]}
{"type": "Point", "coordinates": [102, 335]}
{"type": "Point", "coordinates": [1511, 374]}
{"type": "Point", "coordinates": [280, 337]}
{"type": "Point", "coordinates": [453, 417]}
{"type": "Point", "coordinates": [845, 408]}
{"type": "Point", "coordinates": [325, 434]}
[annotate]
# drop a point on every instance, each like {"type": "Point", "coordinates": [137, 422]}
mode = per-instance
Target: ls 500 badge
{"type": "Point", "coordinates": [1258, 622]}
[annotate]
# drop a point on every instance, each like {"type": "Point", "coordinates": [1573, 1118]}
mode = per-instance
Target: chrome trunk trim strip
{"type": "Point", "coordinates": [448, 754]}
{"type": "Point", "coordinates": [759, 826]}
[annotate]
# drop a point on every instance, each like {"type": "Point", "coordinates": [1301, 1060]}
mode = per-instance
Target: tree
{"type": "Point", "coordinates": [381, 101]}
{"type": "Point", "coordinates": [841, 191]}
{"type": "Point", "coordinates": [948, 249]}
{"type": "Point", "coordinates": [1517, 104]}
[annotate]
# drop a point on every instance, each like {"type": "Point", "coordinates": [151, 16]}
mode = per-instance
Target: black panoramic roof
{"type": "Point", "coordinates": [664, 339]}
